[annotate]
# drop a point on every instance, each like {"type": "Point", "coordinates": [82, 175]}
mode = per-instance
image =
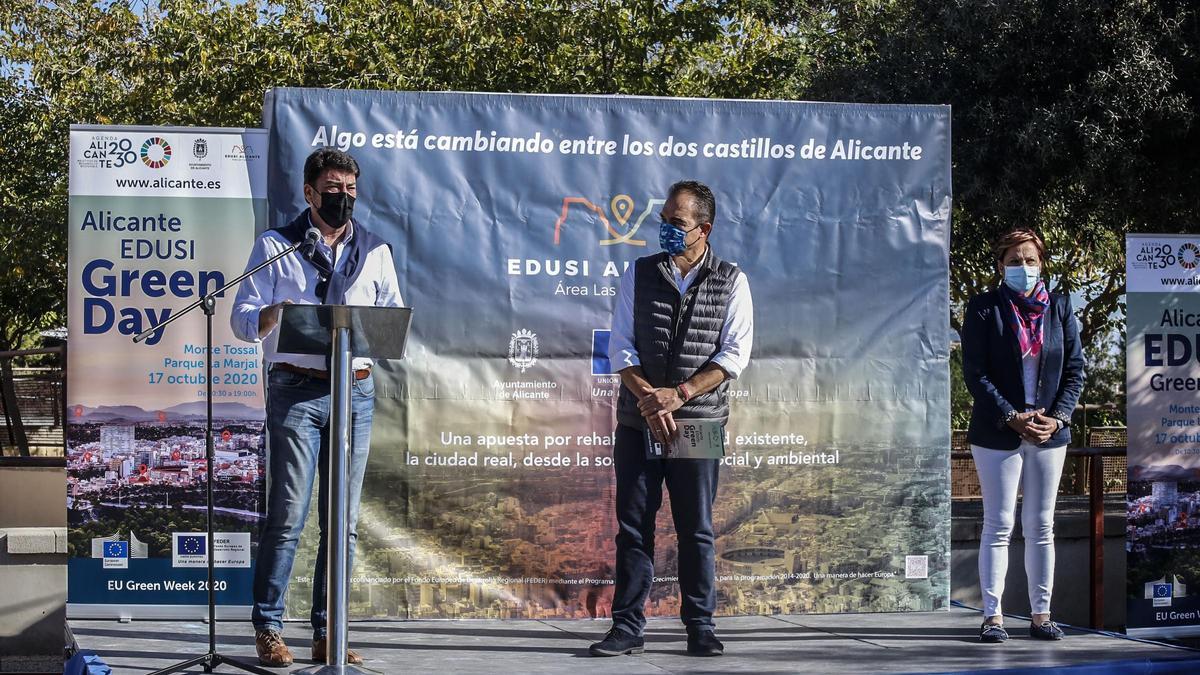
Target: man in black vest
{"type": "Point", "coordinates": [682, 327]}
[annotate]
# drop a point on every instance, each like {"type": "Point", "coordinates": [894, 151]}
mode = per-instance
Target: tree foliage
{"type": "Point", "coordinates": [208, 63]}
{"type": "Point", "coordinates": [1074, 116]}
{"type": "Point", "coordinates": [33, 241]}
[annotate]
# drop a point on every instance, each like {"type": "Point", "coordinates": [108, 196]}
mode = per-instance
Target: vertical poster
{"type": "Point", "coordinates": [1163, 389]}
{"type": "Point", "coordinates": [159, 217]}
{"type": "Point", "coordinates": [489, 491]}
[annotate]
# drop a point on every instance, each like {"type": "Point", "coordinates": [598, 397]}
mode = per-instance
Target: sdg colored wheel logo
{"type": "Point", "coordinates": [156, 152]}
{"type": "Point", "coordinates": [1189, 256]}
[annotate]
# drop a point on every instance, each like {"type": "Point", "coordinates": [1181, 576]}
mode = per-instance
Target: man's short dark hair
{"type": "Point", "coordinates": [706, 203]}
{"type": "Point", "coordinates": [325, 159]}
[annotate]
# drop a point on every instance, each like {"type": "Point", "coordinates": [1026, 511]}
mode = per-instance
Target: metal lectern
{"type": "Point", "coordinates": [341, 332]}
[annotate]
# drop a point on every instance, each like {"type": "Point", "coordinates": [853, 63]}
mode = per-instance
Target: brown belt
{"type": "Point", "coordinates": [360, 374]}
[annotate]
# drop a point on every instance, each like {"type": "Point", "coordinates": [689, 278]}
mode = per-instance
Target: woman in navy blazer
{"type": "Point", "coordinates": [1024, 367]}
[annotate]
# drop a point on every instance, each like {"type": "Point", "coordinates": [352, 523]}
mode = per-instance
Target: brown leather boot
{"type": "Point", "coordinates": [318, 653]}
{"type": "Point", "coordinates": [271, 650]}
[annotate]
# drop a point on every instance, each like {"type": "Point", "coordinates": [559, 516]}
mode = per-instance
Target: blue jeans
{"type": "Point", "coordinates": [692, 485]}
{"type": "Point", "coordinates": [298, 418]}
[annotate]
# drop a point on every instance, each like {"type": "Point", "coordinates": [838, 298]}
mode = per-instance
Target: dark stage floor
{"type": "Point", "coordinates": [844, 643]}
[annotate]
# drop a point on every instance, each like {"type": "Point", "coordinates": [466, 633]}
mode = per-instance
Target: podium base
{"type": "Point", "coordinates": [337, 670]}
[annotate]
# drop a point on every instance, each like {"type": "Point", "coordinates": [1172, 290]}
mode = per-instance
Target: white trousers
{"type": "Point", "coordinates": [1037, 471]}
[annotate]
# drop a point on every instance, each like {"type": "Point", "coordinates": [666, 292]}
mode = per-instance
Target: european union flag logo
{"type": "Point", "coordinates": [190, 545]}
{"type": "Point", "coordinates": [600, 362]}
{"type": "Point", "coordinates": [1162, 590]}
{"type": "Point", "coordinates": [116, 549]}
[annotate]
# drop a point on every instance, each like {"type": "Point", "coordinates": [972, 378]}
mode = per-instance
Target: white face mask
{"type": "Point", "coordinates": [1021, 278]}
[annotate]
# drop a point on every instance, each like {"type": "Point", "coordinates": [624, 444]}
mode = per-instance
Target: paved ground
{"type": "Point", "coordinates": [831, 643]}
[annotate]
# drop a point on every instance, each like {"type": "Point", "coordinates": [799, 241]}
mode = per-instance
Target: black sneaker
{"type": "Point", "coordinates": [1046, 631]}
{"type": "Point", "coordinates": [704, 643]}
{"type": "Point", "coordinates": [618, 642]}
{"type": "Point", "coordinates": [992, 632]}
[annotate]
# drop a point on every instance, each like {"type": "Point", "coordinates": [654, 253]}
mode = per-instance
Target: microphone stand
{"type": "Point", "coordinates": [208, 304]}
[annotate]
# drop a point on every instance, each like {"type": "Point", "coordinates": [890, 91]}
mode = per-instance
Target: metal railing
{"type": "Point", "coordinates": [33, 402]}
{"type": "Point", "coordinates": [964, 483]}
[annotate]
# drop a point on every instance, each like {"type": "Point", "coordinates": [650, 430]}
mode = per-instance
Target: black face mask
{"type": "Point", "coordinates": [336, 208]}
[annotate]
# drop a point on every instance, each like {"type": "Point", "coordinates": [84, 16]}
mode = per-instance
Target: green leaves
{"type": "Point", "coordinates": [178, 62]}
{"type": "Point", "coordinates": [1076, 117]}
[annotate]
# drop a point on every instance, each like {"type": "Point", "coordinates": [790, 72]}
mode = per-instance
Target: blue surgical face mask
{"type": "Point", "coordinates": [671, 238]}
{"type": "Point", "coordinates": [1021, 278]}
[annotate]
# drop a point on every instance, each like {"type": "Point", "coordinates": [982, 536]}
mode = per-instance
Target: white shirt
{"type": "Point", "coordinates": [737, 332]}
{"type": "Point", "coordinates": [293, 278]}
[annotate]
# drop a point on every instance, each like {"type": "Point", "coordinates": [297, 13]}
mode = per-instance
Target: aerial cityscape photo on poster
{"type": "Point", "coordinates": [131, 471]}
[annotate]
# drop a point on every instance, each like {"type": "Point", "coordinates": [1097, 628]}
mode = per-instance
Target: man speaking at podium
{"type": "Point", "coordinates": [682, 327]}
{"type": "Point", "coordinates": [341, 264]}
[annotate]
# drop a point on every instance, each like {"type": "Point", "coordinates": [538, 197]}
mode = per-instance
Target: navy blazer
{"type": "Point", "coordinates": [992, 369]}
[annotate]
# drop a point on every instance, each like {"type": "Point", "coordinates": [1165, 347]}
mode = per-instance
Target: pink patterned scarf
{"type": "Point", "coordinates": [1027, 312]}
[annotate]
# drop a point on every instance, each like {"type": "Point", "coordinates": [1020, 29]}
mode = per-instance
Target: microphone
{"type": "Point", "coordinates": [309, 246]}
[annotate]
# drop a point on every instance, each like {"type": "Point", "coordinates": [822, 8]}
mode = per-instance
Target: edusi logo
{"type": "Point", "coordinates": [523, 349]}
{"type": "Point", "coordinates": [622, 207]}
{"type": "Point", "coordinates": [242, 152]}
{"type": "Point", "coordinates": [155, 152]}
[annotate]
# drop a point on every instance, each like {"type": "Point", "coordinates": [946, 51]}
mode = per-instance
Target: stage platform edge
{"type": "Point", "coordinates": [925, 642]}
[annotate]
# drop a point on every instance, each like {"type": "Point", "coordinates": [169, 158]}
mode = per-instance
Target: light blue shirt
{"type": "Point", "coordinates": [293, 278]}
{"type": "Point", "coordinates": [1031, 367]}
